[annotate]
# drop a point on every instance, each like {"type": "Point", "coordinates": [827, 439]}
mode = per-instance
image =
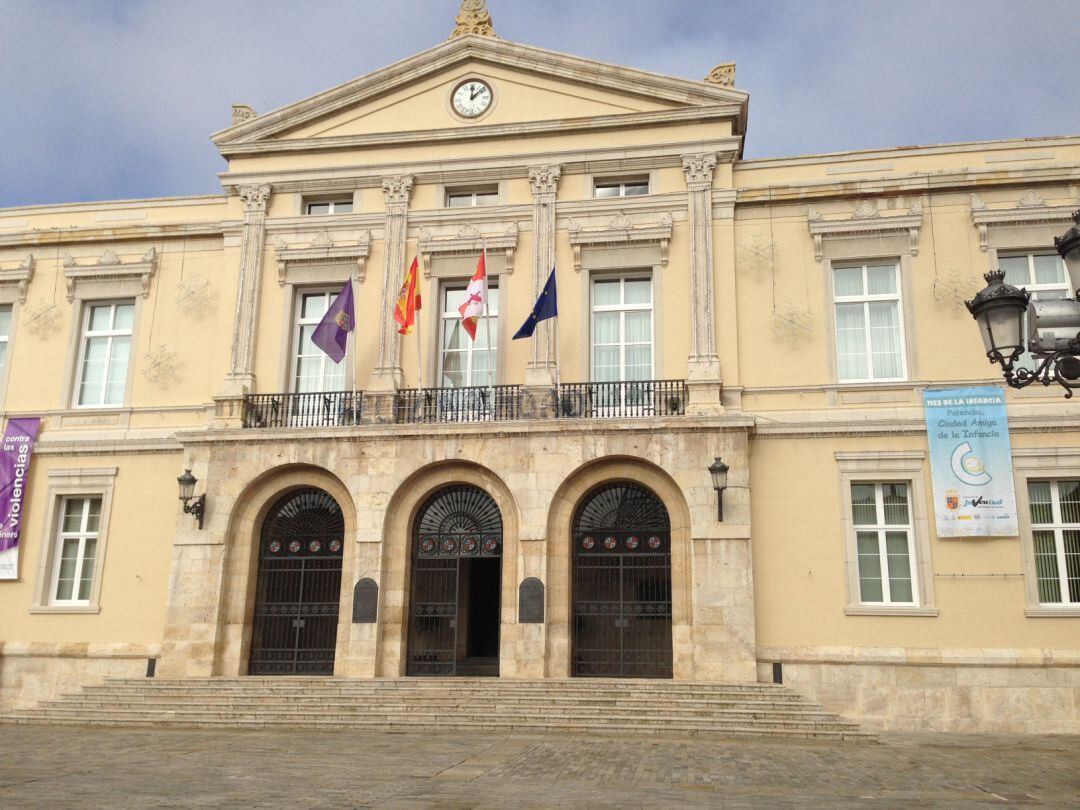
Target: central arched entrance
{"type": "Point", "coordinates": [621, 593]}
{"type": "Point", "coordinates": [457, 545]}
{"type": "Point", "coordinates": [299, 586]}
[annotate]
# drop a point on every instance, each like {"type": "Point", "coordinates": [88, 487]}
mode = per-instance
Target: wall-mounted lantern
{"type": "Point", "coordinates": [719, 470]}
{"type": "Point", "coordinates": [187, 483]}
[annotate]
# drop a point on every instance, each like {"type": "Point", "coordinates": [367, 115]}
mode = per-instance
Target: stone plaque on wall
{"type": "Point", "coordinates": [531, 601]}
{"type": "Point", "coordinates": [365, 608]}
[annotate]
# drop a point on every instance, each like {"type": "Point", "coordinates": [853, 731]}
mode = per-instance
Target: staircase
{"type": "Point", "coordinates": [450, 704]}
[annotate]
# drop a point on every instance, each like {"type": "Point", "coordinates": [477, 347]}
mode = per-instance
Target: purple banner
{"type": "Point", "coordinates": [15, 453]}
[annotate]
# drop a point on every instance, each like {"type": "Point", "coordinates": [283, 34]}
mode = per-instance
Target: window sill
{"type": "Point", "coordinates": [66, 609]}
{"type": "Point", "coordinates": [889, 610]}
{"type": "Point", "coordinates": [1052, 611]}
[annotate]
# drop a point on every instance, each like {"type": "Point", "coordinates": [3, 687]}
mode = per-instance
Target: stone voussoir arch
{"type": "Point", "coordinates": [394, 576]}
{"type": "Point", "coordinates": [240, 572]}
{"type": "Point", "coordinates": [573, 491]}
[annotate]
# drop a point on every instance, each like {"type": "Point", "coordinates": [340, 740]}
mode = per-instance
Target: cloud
{"type": "Point", "coordinates": [109, 100]}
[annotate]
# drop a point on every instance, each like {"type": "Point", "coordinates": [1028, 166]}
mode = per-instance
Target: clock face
{"type": "Point", "coordinates": [471, 98]}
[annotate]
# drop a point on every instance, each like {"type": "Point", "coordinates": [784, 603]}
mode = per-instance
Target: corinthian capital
{"type": "Point", "coordinates": [397, 189]}
{"type": "Point", "coordinates": [255, 198]}
{"type": "Point", "coordinates": [544, 179]}
{"type": "Point", "coordinates": [699, 169]}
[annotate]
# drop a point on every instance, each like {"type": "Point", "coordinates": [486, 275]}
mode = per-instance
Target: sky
{"type": "Point", "coordinates": [116, 99]}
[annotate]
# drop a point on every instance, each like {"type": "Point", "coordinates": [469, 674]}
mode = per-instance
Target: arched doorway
{"type": "Point", "coordinates": [299, 586]}
{"type": "Point", "coordinates": [456, 582]}
{"type": "Point", "coordinates": [621, 591]}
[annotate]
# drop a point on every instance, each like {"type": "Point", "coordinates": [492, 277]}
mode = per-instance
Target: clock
{"type": "Point", "coordinates": [472, 98]}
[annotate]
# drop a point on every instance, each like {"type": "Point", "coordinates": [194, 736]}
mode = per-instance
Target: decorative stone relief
{"type": "Point", "coordinates": [242, 113]}
{"type": "Point", "coordinates": [621, 231]}
{"type": "Point", "coordinates": [866, 221]}
{"type": "Point", "coordinates": [397, 189]}
{"type": "Point", "coordinates": [469, 239]}
{"type": "Point", "coordinates": [255, 198]}
{"type": "Point", "coordinates": [162, 366]}
{"type": "Point", "coordinates": [723, 75]}
{"type": "Point", "coordinates": [699, 169]}
{"type": "Point", "coordinates": [1030, 209]}
{"type": "Point", "coordinates": [110, 267]}
{"type": "Point", "coordinates": [1031, 200]}
{"type": "Point", "coordinates": [21, 276]}
{"type": "Point", "coordinates": [195, 297]}
{"type": "Point", "coordinates": [792, 323]}
{"type": "Point", "coordinates": [41, 319]}
{"type": "Point", "coordinates": [864, 209]}
{"type": "Point", "coordinates": [323, 250]}
{"type": "Point", "coordinates": [473, 18]}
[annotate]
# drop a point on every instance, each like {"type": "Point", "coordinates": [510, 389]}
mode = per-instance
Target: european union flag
{"type": "Point", "coordinates": [546, 306]}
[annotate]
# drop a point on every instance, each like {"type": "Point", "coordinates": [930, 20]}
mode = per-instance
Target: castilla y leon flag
{"type": "Point", "coordinates": [408, 302]}
{"type": "Point", "coordinates": [475, 298]}
{"type": "Point", "coordinates": [331, 335]}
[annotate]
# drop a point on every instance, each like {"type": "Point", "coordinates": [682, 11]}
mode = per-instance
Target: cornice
{"type": "Point", "coordinates": [559, 126]}
{"type": "Point", "coordinates": [485, 49]}
{"type": "Point", "coordinates": [468, 240]}
{"type": "Point", "coordinates": [866, 221]}
{"type": "Point", "coordinates": [114, 205]}
{"type": "Point", "coordinates": [621, 231]}
{"type": "Point", "coordinates": [51, 237]}
{"type": "Point", "coordinates": [1030, 209]}
{"type": "Point", "coordinates": [19, 276]}
{"type": "Point", "coordinates": [323, 250]}
{"type": "Point", "coordinates": [110, 267]}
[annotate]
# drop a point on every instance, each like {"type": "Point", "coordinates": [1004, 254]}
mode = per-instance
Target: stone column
{"type": "Point", "coordinates": [703, 366]}
{"type": "Point", "coordinates": [540, 372]}
{"type": "Point", "coordinates": [388, 376]}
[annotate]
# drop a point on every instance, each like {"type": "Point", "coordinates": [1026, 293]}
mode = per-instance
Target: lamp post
{"type": "Point", "coordinates": [187, 483]}
{"type": "Point", "coordinates": [719, 470]}
{"type": "Point", "coordinates": [1053, 326]}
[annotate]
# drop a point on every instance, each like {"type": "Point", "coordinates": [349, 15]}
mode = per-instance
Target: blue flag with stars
{"type": "Point", "coordinates": [546, 306]}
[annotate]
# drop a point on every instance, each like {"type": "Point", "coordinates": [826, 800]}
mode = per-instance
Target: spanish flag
{"type": "Point", "coordinates": [408, 301]}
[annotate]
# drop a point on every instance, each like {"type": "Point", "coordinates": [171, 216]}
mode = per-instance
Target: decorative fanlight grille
{"type": "Point", "coordinates": [460, 510]}
{"type": "Point", "coordinates": [306, 513]}
{"type": "Point", "coordinates": [622, 507]}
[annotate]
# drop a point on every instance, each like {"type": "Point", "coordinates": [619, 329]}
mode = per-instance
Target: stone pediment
{"type": "Point", "coordinates": [534, 88]}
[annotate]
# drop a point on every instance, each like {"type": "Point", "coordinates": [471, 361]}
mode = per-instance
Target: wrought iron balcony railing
{"type": "Point", "coordinates": [497, 403]}
{"type": "Point", "coordinates": [629, 398]}
{"type": "Point", "coordinates": [322, 409]}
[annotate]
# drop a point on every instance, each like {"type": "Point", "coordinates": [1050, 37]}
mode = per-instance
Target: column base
{"type": "Point", "coordinates": [379, 407]}
{"type": "Point", "coordinates": [540, 375]}
{"type": "Point", "coordinates": [386, 379]}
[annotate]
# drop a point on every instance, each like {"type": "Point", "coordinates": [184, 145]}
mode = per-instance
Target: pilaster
{"type": "Point", "coordinates": [540, 371]}
{"type": "Point", "coordinates": [703, 366]}
{"type": "Point", "coordinates": [241, 377]}
{"type": "Point", "coordinates": [388, 375]}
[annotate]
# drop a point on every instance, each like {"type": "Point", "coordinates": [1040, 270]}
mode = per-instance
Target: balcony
{"type": "Point", "coordinates": [499, 403]}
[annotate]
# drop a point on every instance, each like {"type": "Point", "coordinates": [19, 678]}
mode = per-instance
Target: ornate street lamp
{"type": "Point", "coordinates": [719, 470]}
{"type": "Point", "coordinates": [187, 483]}
{"type": "Point", "coordinates": [1053, 333]}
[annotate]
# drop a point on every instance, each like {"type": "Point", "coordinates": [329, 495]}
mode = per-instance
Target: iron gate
{"type": "Point", "coordinates": [457, 523]}
{"type": "Point", "coordinates": [622, 585]}
{"type": "Point", "coordinates": [299, 586]}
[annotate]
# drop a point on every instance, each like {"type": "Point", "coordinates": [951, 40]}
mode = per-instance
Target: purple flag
{"type": "Point", "coordinates": [339, 320]}
{"type": "Point", "coordinates": [14, 466]}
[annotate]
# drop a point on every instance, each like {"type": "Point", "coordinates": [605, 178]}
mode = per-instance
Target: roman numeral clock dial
{"type": "Point", "coordinates": [471, 98]}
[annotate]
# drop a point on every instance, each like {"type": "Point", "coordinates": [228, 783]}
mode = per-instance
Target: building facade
{"type": "Point", "coordinates": [541, 508]}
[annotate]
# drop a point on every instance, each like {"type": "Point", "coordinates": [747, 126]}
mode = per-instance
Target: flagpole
{"type": "Point", "coordinates": [352, 362]}
{"type": "Point", "coordinates": [487, 330]}
{"type": "Point", "coordinates": [419, 362]}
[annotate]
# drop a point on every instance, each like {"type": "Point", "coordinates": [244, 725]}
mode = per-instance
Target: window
{"type": "Point", "coordinates": [5, 329]}
{"type": "Point", "coordinates": [471, 198]}
{"type": "Point", "coordinates": [633, 187]}
{"type": "Point", "coordinates": [881, 515]}
{"type": "Point", "coordinates": [328, 207]}
{"type": "Point", "coordinates": [104, 354]}
{"type": "Point", "coordinates": [464, 361]}
{"type": "Point", "coordinates": [76, 547]}
{"type": "Point", "coordinates": [869, 328]}
{"type": "Point", "coordinates": [313, 370]}
{"type": "Point", "coordinates": [1055, 535]}
{"type": "Point", "coordinates": [1045, 277]}
{"type": "Point", "coordinates": [622, 342]}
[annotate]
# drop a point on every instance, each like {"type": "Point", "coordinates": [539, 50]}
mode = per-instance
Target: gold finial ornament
{"type": "Point", "coordinates": [474, 18]}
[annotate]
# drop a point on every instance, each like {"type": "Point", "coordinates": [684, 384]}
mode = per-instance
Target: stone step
{"type": "Point", "coordinates": [487, 727]}
{"type": "Point", "coordinates": [412, 684]}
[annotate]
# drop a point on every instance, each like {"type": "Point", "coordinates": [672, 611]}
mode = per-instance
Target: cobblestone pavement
{"type": "Point", "coordinates": [59, 767]}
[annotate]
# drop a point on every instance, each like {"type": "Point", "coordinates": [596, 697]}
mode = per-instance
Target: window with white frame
{"type": "Point", "coordinates": [104, 354]}
{"type": "Point", "coordinates": [5, 333]}
{"type": "Point", "coordinates": [1044, 275]}
{"type": "Point", "coordinates": [76, 548]}
{"type": "Point", "coordinates": [472, 197]}
{"type": "Point", "coordinates": [869, 322]}
{"type": "Point", "coordinates": [317, 207]}
{"type": "Point", "coordinates": [629, 187]}
{"type": "Point", "coordinates": [884, 537]}
{"type": "Point", "coordinates": [463, 361]}
{"type": "Point", "coordinates": [622, 328]}
{"type": "Point", "coordinates": [1055, 535]}
{"type": "Point", "coordinates": [312, 368]}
